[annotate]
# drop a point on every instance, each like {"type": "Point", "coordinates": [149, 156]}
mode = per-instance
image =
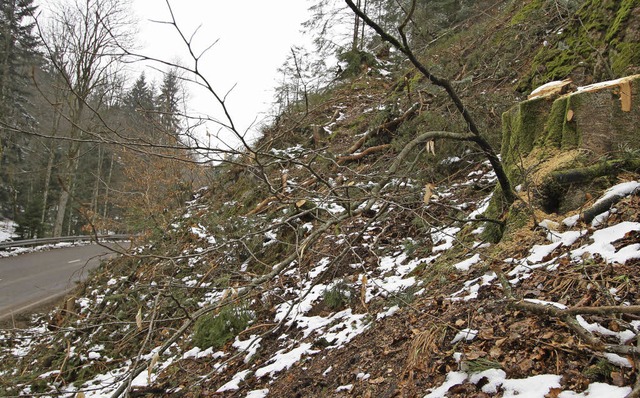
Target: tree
{"type": "Point", "coordinates": [168, 106]}
{"type": "Point", "coordinates": [18, 46]}
{"type": "Point", "coordinates": [402, 44]}
{"type": "Point", "coordinates": [140, 97]}
{"type": "Point", "coordinates": [83, 44]}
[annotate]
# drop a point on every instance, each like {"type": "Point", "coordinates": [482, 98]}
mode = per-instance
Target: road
{"type": "Point", "coordinates": [30, 280]}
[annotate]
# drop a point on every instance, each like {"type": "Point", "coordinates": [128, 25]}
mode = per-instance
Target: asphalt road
{"type": "Point", "coordinates": [30, 280]}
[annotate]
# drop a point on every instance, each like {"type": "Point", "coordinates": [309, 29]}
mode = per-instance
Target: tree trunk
{"type": "Point", "coordinates": [66, 180]}
{"type": "Point", "coordinates": [49, 172]}
{"type": "Point", "coordinates": [106, 189]}
{"type": "Point", "coordinates": [96, 186]}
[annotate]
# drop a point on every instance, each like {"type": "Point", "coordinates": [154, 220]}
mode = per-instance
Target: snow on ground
{"type": "Point", "coordinates": [7, 230]}
{"type": "Point", "coordinates": [390, 276]}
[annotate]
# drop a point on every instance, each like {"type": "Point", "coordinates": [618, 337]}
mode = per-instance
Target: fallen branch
{"type": "Point", "coordinates": [262, 205]}
{"type": "Point", "coordinates": [600, 207]}
{"type": "Point", "coordinates": [387, 127]}
{"type": "Point", "coordinates": [360, 155]}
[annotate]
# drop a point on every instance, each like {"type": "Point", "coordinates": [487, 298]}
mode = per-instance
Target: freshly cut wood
{"type": "Point", "coordinates": [360, 155]}
{"type": "Point", "coordinates": [262, 205]}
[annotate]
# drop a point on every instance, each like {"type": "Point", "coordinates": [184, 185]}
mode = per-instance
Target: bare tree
{"type": "Point", "coordinates": [402, 44]}
{"type": "Point", "coordinates": [81, 43]}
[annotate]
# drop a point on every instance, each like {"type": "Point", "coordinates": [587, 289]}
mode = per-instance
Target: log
{"type": "Point", "coordinates": [585, 174]}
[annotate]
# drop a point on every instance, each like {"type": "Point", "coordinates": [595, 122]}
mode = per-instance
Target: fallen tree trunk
{"type": "Point", "coordinates": [584, 174]}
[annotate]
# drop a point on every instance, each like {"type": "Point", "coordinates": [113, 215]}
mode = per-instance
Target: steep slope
{"type": "Point", "coordinates": [333, 261]}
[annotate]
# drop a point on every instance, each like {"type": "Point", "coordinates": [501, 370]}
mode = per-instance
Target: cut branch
{"type": "Point", "coordinates": [360, 155]}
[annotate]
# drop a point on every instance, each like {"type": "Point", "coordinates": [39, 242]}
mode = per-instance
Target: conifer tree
{"type": "Point", "coordinates": [17, 50]}
{"type": "Point", "coordinates": [168, 106]}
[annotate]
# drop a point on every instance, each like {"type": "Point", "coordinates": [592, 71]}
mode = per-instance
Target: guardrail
{"type": "Point", "coordinates": [47, 241]}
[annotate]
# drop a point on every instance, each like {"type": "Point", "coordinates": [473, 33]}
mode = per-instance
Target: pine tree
{"type": "Point", "coordinates": [140, 97]}
{"type": "Point", "coordinates": [168, 105]}
{"type": "Point", "coordinates": [17, 50]}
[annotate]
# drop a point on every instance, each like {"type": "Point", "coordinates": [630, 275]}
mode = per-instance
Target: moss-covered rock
{"type": "Point", "coordinates": [601, 41]}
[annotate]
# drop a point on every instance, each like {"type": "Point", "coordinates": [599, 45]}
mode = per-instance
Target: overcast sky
{"type": "Point", "coordinates": [254, 38]}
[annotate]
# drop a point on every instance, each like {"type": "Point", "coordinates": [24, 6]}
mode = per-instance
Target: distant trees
{"type": "Point", "coordinates": [82, 44]}
{"type": "Point", "coordinates": [78, 140]}
{"type": "Point", "coordinates": [18, 50]}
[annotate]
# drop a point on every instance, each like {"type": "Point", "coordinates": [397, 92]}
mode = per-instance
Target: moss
{"type": "Point", "coordinates": [497, 211]}
{"type": "Point", "coordinates": [559, 130]}
{"type": "Point", "coordinates": [594, 42]}
{"type": "Point", "coordinates": [626, 55]}
{"type": "Point", "coordinates": [518, 217]}
{"type": "Point", "coordinates": [525, 12]}
{"type": "Point", "coordinates": [626, 6]}
{"type": "Point", "coordinates": [521, 129]}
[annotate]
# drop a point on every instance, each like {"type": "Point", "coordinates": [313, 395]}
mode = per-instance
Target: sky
{"type": "Point", "coordinates": [253, 38]}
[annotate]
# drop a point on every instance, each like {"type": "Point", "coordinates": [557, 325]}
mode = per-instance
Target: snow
{"type": "Point", "coordinates": [465, 265]}
{"type": "Point", "coordinates": [346, 387]}
{"type": "Point", "coordinates": [623, 337]}
{"type": "Point", "coordinates": [623, 189]}
{"type": "Point", "coordinates": [453, 379]}
{"type": "Point", "coordinates": [542, 302]}
{"type": "Point", "coordinates": [495, 381]}
{"type": "Point", "coordinates": [234, 383]}
{"type": "Point", "coordinates": [531, 387]}
{"type": "Point", "coordinates": [284, 360]}
{"type": "Point", "coordinates": [618, 360]}
{"type": "Point", "coordinates": [602, 243]}
{"type": "Point", "coordinates": [447, 235]}
{"type": "Point", "coordinates": [597, 390]}
{"type": "Point", "coordinates": [389, 312]}
{"type": "Point", "coordinates": [465, 334]}
{"type": "Point", "coordinates": [7, 230]}
{"type": "Point", "coordinates": [258, 393]}
{"type": "Point", "coordinates": [250, 346]}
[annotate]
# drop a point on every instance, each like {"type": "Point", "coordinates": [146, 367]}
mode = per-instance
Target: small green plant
{"type": "Point", "coordinates": [337, 297]}
{"type": "Point", "coordinates": [600, 370]}
{"type": "Point", "coordinates": [214, 330]}
{"type": "Point", "coordinates": [405, 297]}
{"type": "Point", "coordinates": [480, 365]}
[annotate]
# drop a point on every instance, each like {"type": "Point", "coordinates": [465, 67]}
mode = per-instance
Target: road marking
{"type": "Point", "coordinates": [74, 261]}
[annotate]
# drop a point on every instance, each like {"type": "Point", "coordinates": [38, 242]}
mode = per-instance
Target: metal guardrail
{"type": "Point", "coordinates": [47, 241]}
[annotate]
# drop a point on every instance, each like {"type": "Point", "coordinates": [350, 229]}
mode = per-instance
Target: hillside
{"type": "Point", "coordinates": [338, 256]}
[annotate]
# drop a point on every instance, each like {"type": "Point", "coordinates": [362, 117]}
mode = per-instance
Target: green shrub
{"type": "Point", "coordinates": [337, 297]}
{"type": "Point", "coordinates": [214, 330]}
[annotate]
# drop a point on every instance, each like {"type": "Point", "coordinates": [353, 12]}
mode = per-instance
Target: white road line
{"type": "Point", "coordinates": [74, 261]}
